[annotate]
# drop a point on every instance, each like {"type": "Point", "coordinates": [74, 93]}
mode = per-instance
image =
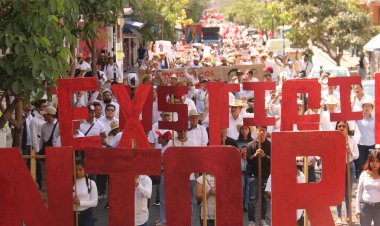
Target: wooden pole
{"type": "Point", "coordinates": [306, 173]}
{"type": "Point", "coordinates": [204, 201]}
{"type": "Point", "coordinates": [75, 188]}
{"type": "Point", "coordinates": [260, 195]}
{"type": "Point", "coordinates": [349, 192]}
{"type": "Point", "coordinates": [32, 163]}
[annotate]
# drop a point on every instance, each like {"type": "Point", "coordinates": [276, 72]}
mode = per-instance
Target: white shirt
{"type": "Point", "coordinates": [46, 131]}
{"type": "Point", "coordinates": [28, 135]}
{"type": "Point", "coordinates": [96, 130]}
{"type": "Point", "coordinates": [368, 190]}
{"type": "Point", "coordinates": [106, 123]}
{"type": "Point", "coordinates": [153, 137]}
{"type": "Point", "coordinates": [232, 130]}
{"type": "Point", "coordinates": [114, 141]}
{"type": "Point", "coordinates": [35, 130]}
{"type": "Point", "coordinates": [354, 148]}
{"type": "Point", "coordinates": [199, 135]}
{"type": "Point", "coordinates": [143, 192]}
{"type": "Point", "coordinates": [87, 200]}
{"type": "Point", "coordinates": [109, 70]}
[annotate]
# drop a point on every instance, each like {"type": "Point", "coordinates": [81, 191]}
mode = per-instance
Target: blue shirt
{"type": "Point", "coordinates": [367, 131]}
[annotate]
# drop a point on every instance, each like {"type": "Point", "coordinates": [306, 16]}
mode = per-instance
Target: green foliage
{"type": "Point", "coordinates": [161, 16]}
{"type": "Point", "coordinates": [32, 48]}
{"type": "Point", "coordinates": [329, 24]}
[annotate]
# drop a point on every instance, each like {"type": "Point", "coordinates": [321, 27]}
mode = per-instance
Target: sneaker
{"type": "Point", "coordinates": [107, 206]}
{"type": "Point", "coordinates": [251, 223]}
{"type": "Point", "coordinates": [338, 222]}
{"type": "Point", "coordinates": [263, 223]}
{"type": "Point", "coordinates": [160, 224]}
{"type": "Point", "coordinates": [156, 203]}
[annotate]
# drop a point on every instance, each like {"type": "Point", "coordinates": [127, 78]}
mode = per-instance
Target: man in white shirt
{"type": "Point", "coordinates": [235, 120]}
{"type": "Point", "coordinates": [49, 130]}
{"type": "Point", "coordinates": [152, 135]}
{"type": "Point", "coordinates": [35, 132]}
{"type": "Point", "coordinates": [197, 132]}
{"type": "Point", "coordinates": [90, 127]}
{"type": "Point", "coordinates": [110, 116]}
{"type": "Point", "coordinates": [112, 71]}
{"type": "Point", "coordinates": [143, 192]}
{"type": "Point", "coordinates": [107, 99]}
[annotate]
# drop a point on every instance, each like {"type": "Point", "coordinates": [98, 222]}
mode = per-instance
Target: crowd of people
{"type": "Point", "coordinates": [41, 126]}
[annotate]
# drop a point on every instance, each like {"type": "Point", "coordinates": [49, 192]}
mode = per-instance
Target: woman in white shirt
{"type": "Point", "coordinates": [85, 196]}
{"type": "Point", "coordinates": [368, 196]}
{"type": "Point", "coordinates": [143, 192]}
{"type": "Point", "coordinates": [353, 153]}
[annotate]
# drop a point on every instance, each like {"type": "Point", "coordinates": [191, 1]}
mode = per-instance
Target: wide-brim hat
{"type": "Point", "coordinates": [368, 101]}
{"type": "Point", "coordinates": [49, 110]}
{"type": "Point", "coordinates": [236, 103]}
{"type": "Point", "coordinates": [331, 100]}
{"type": "Point", "coordinates": [193, 112]}
{"type": "Point", "coordinates": [114, 125]}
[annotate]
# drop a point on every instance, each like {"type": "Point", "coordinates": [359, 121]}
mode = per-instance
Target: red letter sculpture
{"type": "Point", "coordinates": [316, 198]}
{"type": "Point", "coordinates": [21, 201]}
{"type": "Point", "coordinates": [221, 161]}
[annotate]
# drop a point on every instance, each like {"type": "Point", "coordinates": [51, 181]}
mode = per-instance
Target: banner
{"type": "Point", "coordinates": [221, 73]}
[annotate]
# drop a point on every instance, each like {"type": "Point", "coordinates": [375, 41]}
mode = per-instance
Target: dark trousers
{"type": "Point", "coordinates": [85, 218]}
{"type": "Point", "coordinates": [253, 198]}
{"type": "Point", "coordinates": [209, 222]}
{"type": "Point", "coordinates": [26, 151]}
{"type": "Point", "coordinates": [39, 173]}
{"type": "Point", "coordinates": [311, 176]}
{"type": "Point", "coordinates": [101, 183]}
{"type": "Point", "coordinates": [370, 213]}
{"type": "Point", "coordinates": [363, 156]}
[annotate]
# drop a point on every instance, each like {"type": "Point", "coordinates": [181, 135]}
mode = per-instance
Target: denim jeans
{"type": "Point", "coordinates": [86, 218]}
{"type": "Point", "coordinates": [162, 200]}
{"type": "Point", "coordinates": [370, 213]}
{"type": "Point", "coordinates": [245, 183]}
{"type": "Point", "coordinates": [253, 198]}
{"type": "Point", "coordinates": [363, 156]}
{"type": "Point", "coordinates": [346, 195]}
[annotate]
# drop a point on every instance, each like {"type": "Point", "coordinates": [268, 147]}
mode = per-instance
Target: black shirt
{"type": "Point", "coordinates": [231, 142]}
{"type": "Point", "coordinates": [252, 166]}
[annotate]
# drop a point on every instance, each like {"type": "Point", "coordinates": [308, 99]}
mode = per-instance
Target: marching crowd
{"type": "Point", "coordinates": [41, 126]}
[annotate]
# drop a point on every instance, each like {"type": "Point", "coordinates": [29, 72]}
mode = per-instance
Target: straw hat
{"type": "Point", "coordinates": [49, 110]}
{"type": "Point", "coordinates": [193, 112]}
{"type": "Point", "coordinates": [331, 99]}
{"type": "Point", "coordinates": [236, 103]}
{"type": "Point", "coordinates": [114, 125]}
{"type": "Point", "coordinates": [368, 101]}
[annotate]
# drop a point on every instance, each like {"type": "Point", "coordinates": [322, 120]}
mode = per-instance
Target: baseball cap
{"type": "Point", "coordinates": [268, 68]}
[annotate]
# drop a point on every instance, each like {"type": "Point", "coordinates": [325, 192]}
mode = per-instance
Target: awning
{"type": "Point", "coordinates": [129, 24]}
{"type": "Point", "coordinates": [373, 45]}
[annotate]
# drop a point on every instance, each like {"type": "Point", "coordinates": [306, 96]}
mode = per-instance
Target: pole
{"type": "Point", "coordinates": [260, 195]}
{"type": "Point", "coordinates": [306, 173]}
{"type": "Point", "coordinates": [204, 201]}
{"type": "Point", "coordinates": [33, 163]}
{"type": "Point", "coordinates": [349, 192]}
{"type": "Point", "coordinates": [75, 188]}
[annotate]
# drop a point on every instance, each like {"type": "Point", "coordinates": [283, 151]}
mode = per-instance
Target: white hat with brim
{"type": "Point", "coordinates": [332, 100]}
{"type": "Point", "coordinates": [49, 110]}
{"type": "Point", "coordinates": [377, 146]}
{"type": "Point", "coordinates": [236, 103]}
{"type": "Point", "coordinates": [114, 125]}
{"type": "Point", "coordinates": [193, 112]}
{"type": "Point", "coordinates": [368, 101]}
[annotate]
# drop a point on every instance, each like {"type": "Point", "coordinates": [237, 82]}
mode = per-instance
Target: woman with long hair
{"type": "Point", "coordinates": [352, 154]}
{"type": "Point", "coordinates": [368, 196]}
{"type": "Point", "coordinates": [85, 196]}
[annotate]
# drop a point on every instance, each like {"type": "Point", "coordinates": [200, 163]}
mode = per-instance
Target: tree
{"type": "Point", "coordinates": [161, 16]}
{"type": "Point", "coordinates": [32, 35]}
{"type": "Point", "coordinates": [332, 25]}
{"type": "Point", "coordinates": [97, 14]}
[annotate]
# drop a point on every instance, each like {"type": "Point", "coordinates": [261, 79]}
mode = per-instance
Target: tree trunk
{"type": "Point", "coordinates": [338, 57]}
{"type": "Point", "coordinates": [72, 61]}
{"type": "Point", "coordinates": [17, 130]}
{"type": "Point", "coordinates": [94, 65]}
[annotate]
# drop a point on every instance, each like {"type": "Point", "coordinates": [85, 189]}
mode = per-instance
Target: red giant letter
{"type": "Point", "coordinates": [67, 113]}
{"type": "Point", "coordinates": [221, 161]}
{"type": "Point", "coordinates": [344, 84]}
{"type": "Point", "coordinates": [130, 112]}
{"type": "Point", "coordinates": [316, 198]}
{"type": "Point", "coordinates": [289, 112]}
{"type": "Point", "coordinates": [123, 165]}
{"type": "Point", "coordinates": [21, 201]}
